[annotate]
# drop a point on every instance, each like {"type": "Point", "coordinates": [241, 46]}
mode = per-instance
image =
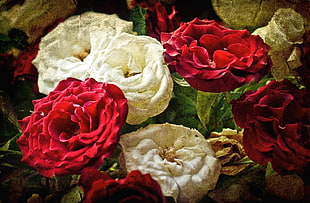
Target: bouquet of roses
{"type": "Point", "coordinates": [153, 109]}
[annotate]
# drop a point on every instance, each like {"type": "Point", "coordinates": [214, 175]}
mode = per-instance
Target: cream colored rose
{"type": "Point", "coordinates": [178, 158]}
{"type": "Point", "coordinates": [283, 33]}
{"type": "Point", "coordinates": [71, 49]}
{"type": "Point", "coordinates": [136, 65]}
{"type": "Point", "coordinates": [99, 46]}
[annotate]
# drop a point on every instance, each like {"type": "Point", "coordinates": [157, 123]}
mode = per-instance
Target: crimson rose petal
{"type": "Point", "coordinates": [135, 187]}
{"type": "Point", "coordinates": [276, 122]}
{"type": "Point", "coordinates": [213, 58]}
{"type": "Point", "coordinates": [158, 19]}
{"type": "Point", "coordinates": [77, 125]}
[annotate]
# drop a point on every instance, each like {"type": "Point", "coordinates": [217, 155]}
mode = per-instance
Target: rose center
{"type": "Point", "coordinates": [130, 71]}
{"type": "Point", "coordinates": [82, 55]}
{"type": "Point", "coordinates": [127, 74]}
{"type": "Point", "coordinates": [168, 154]}
{"type": "Point", "coordinates": [70, 131]}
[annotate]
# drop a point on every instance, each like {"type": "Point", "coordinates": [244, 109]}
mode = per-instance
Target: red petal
{"type": "Point", "coordinates": [239, 50]}
{"type": "Point", "coordinates": [211, 43]}
{"type": "Point", "coordinates": [164, 37]}
{"type": "Point", "coordinates": [200, 56]}
{"type": "Point", "coordinates": [90, 175]}
{"type": "Point", "coordinates": [232, 39]}
{"type": "Point", "coordinates": [223, 58]}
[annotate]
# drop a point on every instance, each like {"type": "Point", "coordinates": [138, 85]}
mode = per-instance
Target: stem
{"type": "Point", "coordinates": [227, 96]}
{"type": "Point", "coordinates": [9, 151]}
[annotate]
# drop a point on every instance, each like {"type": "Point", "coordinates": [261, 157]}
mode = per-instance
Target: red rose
{"type": "Point", "coordinates": [99, 187]}
{"type": "Point", "coordinates": [75, 126]}
{"type": "Point", "coordinates": [23, 66]}
{"type": "Point", "coordinates": [276, 122]}
{"type": "Point", "coordinates": [213, 58]}
{"type": "Point", "coordinates": [158, 20]}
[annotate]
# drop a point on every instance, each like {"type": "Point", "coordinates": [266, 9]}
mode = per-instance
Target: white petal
{"type": "Point", "coordinates": [98, 45]}
{"type": "Point", "coordinates": [194, 170]}
{"type": "Point", "coordinates": [58, 56]}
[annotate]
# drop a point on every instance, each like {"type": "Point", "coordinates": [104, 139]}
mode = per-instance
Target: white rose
{"type": "Point", "coordinates": [98, 45]}
{"type": "Point", "coordinates": [179, 158]}
{"type": "Point", "coordinates": [136, 65]}
{"type": "Point", "coordinates": [71, 49]}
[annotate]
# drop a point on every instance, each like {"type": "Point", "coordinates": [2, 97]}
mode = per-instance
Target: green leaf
{"type": "Point", "coordinates": [5, 43]}
{"type": "Point", "coordinates": [7, 144]}
{"type": "Point", "coordinates": [214, 111]}
{"type": "Point", "coordinates": [252, 85]}
{"type": "Point", "coordinates": [9, 126]}
{"type": "Point", "coordinates": [137, 16]}
{"type": "Point", "coordinates": [23, 96]}
{"type": "Point", "coordinates": [182, 109]}
{"type": "Point", "coordinates": [10, 159]}
{"type": "Point", "coordinates": [179, 79]}
{"type": "Point", "coordinates": [15, 39]}
{"type": "Point", "coordinates": [205, 101]}
{"type": "Point", "coordinates": [3, 164]}
{"type": "Point", "coordinates": [7, 111]}
{"type": "Point", "coordinates": [74, 195]}
{"type": "Point", "coordinates": [18, 38]}
{"type": "Point", "coordinates": [4, 38]}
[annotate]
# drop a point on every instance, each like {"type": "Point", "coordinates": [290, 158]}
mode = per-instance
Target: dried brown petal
{"type": "Point", "coordinates": [229, 150]}
{"type": "Point", "coordinates": [33, 17]}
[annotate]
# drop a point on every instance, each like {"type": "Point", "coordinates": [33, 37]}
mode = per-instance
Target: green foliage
{"type": "Point", "coordinates": [203, 111]}
{"type": "Point", "coordinates": [9, 127]}
{"type": "Point", "coordinates": [5, 43]}
{"type": "Point", "coordinates": [8, 120]}
{"type": "Point", "coordinates": [22, 98]}
{"type": "Point", "coordinates": [74, 195]}
{"type": "Point", "coordinates": [251, 86]}
{"type": "Point", "coordinates": [12, 108]}
{"type": "Point", "coordinates": [10, 159]}
{"type": "Point", "coordinates": [214, 111]}
{"type": "Point", "coordinates": [15, 39]}
{"type": "Point", "coordinates": [137, 16]}
{"type": "Point", "coordinates": [205, 101]}
{"type": "Point", "coordinates": [247, 186]}
{"type": "Point", "coordinates": [181, 111]}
